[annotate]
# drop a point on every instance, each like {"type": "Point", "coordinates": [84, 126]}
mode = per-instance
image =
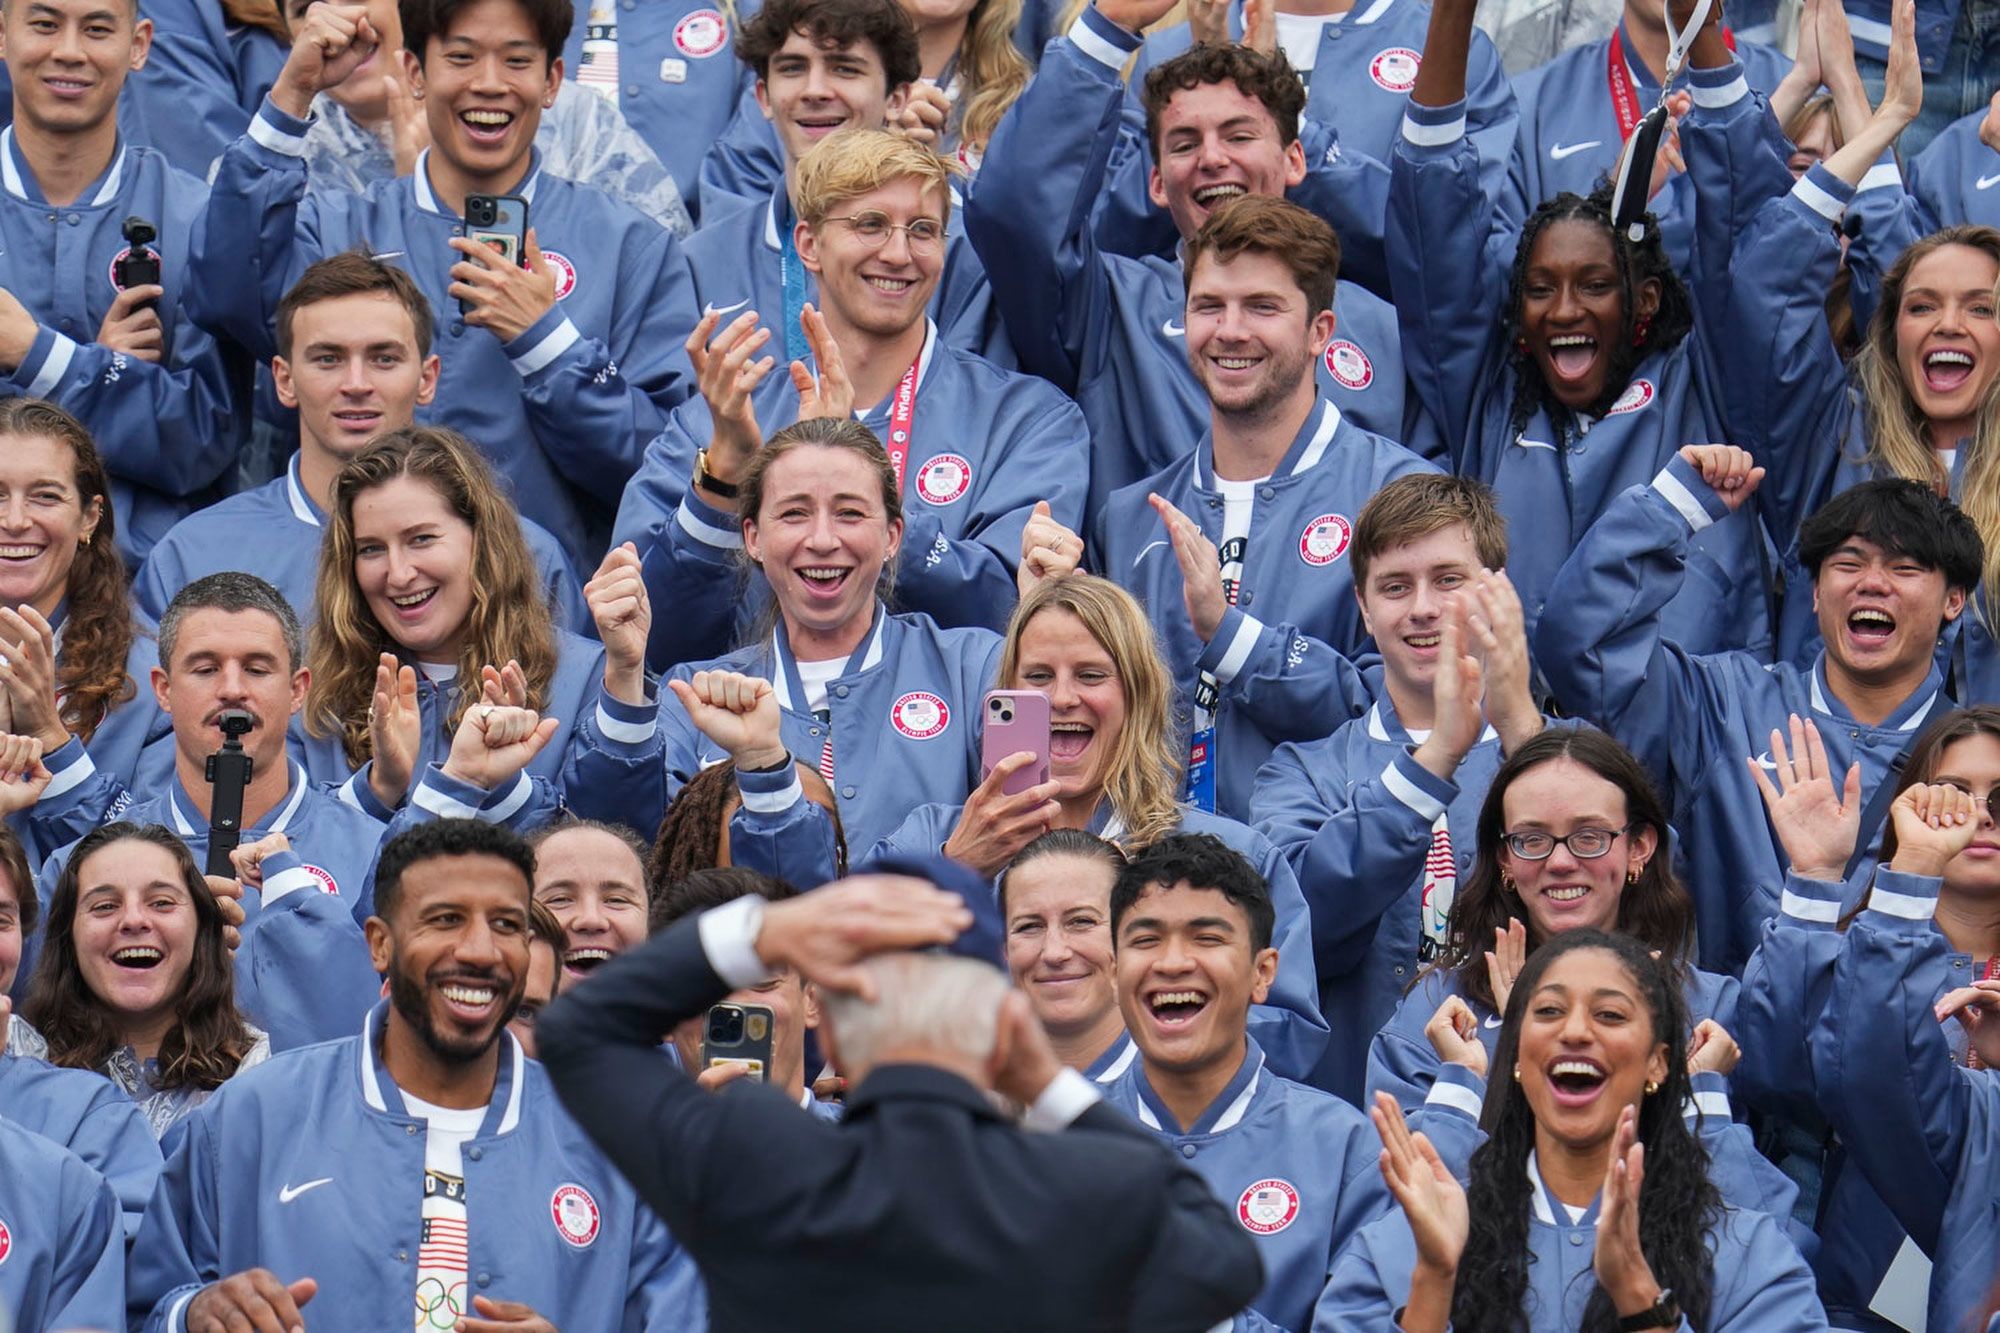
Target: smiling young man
{"type": "Point", "coordinates": [1192, 922]}
{"type": "Point", "coordinates": [158, 394]}
{"type": "Point", "coordinates": [977, 448]}
{"type": "Point", "coordinates": [1372, 816]}
{"type": "Point", "coordinates": [354, 360]}
{"type": "Point", "coordinates": [440, 1176]}
{"type": "Point", "coordinates": [1223, 121]}
{"type": "Point", "coordinates": [823, 66]}
{"type": "Point", "coordinates": [1892, 565]}
{"type": "Point", "coordinates": [559, 370]}
{"type": "Point", "coordinates": [1260, 513]}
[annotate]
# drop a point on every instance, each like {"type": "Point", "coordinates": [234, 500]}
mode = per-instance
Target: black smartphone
{"type": "Point", "coordinates": [738, 1034]}
{"type": "Point", "coordinates": [499, 221]}
{"type": "Point", "coordinates": [138, 266]}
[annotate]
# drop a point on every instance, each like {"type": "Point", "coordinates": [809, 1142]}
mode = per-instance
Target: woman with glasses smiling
{"type": "Point", "coordinates": [1571, 836]}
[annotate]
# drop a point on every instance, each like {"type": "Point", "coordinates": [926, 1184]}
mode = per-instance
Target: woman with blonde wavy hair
{"type": "Point", "coordinates": [1115, 757]}
{"type": "Point", "coordinates": [428, 602]}
{"type": "Point", "coordinates": [75, 657]}
{"type": "Point", "coordinates": [972, 72]}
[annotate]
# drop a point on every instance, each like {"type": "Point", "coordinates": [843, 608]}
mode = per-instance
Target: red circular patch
{"type": "Point", "coordinates": [1395, 70]}
{"type": "Point", "coordinates": [575, 1214]}
{"type": "Point", "coordinates": [1637, 394]}
{"type": "Point", "coordinates": [6, 1242]}
{"type": "Point", "coordinates": [920, 715]}
{"type": "Point", "coordinates": [564, 270]}
{"type": "Point", "coordinates": [1268, 1207]}
{"type": "Point", "coordinates": [944, 479]}
{"type": "Point", "coordinates": [324, 876]}
{"type": "Point", "coordinates": [1349, 365]}
{"type": "Point", "coordinates": [1325, 539]}
{"type": "Point", "coordinates": [701, 33]}
{"type": "Point", "coordinates": [119, 258]}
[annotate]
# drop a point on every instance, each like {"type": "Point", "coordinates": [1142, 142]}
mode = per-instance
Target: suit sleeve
{"type": "Point", "coordinates": [257, 234]}
{"type": "Point", "coordinates": [1359, 850]}
{"type": "Point", "coordinates": [1606, 659]}
{"type": "Point", "coordinates": [601, 1045]}
{"type": "Point", "coordinates": [178, 1250]}
{"type": "Point", "coordinates": [969, 579]}
{"type": "Point", "coordinates": [1030, 212]}
{"type": "Point", "coordinates": [593, 404]}
{"type": "Point", "coordinates": [1448, 264]}
{"type": "Point", "coordinates": [1884, 1070]}
{"type": "Point", "coordinates": [87, 1288]}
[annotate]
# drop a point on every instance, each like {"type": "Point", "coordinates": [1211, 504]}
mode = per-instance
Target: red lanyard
{"type": "Point", "coordinates": [1624, 97]}
{"type": "Point", "coordinates": [902, 407]}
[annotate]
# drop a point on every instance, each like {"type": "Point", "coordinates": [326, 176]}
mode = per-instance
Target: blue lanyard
{"type": "Point", "coordinates": [795, 298]}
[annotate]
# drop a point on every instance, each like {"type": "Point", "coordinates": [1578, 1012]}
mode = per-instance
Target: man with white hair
{"type": "Point", "coordinates": [924, 1207]}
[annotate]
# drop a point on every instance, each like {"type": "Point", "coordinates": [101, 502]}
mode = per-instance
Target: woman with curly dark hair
{"type": "Point", "coordinates": [135, 979]}
{"type": "Point", "coordinates": [1589, 1206]}
{"type": "Point", "coordinates": [74, 659]}
{"type": "Point", "coordinates": [1564, 362]}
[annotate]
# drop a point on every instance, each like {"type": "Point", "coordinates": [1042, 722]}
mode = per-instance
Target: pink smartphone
{"type": "Point", "coordinates": [1016, 720]}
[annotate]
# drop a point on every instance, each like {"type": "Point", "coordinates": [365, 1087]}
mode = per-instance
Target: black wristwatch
{"type": "Point", "coordinates": [708, 481]}
{"type": "Point", "coordinates": [1666, 1313]}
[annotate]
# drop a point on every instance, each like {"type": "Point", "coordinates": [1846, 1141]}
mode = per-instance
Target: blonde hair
{"type": "Point", "coordinates": [1143, 778]}
{"type": "Point", "coordinates": [992, 72]}
{"type": "Point", "coordinates": [1898, 443]}
{"type": "Point", "coordinates": [510, 615]}
{"type": "Point", "coordinates": [849, 163]}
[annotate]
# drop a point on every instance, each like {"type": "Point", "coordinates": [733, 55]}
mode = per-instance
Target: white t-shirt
{"type": "Point", "coordinates": [1948, 459]}
{"type": "Point", "coordinates": [1298, 36]}
{"type": "Point", "coordinates": [1440, 881]}
{"type": "Point", "coordinates": [1238, 499]}
{"type": "Point", "coordinates": [441, 1298]}
{"type": "Point", "coordinates": [437, 673]}
{"type": "Point", "coordinates": [816, 676]}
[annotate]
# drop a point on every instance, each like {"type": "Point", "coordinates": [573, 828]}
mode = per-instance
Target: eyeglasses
{"type": "Point", "coordinates": [925, 235]}
{"type": "Point", "coordinates": [1585, 844]}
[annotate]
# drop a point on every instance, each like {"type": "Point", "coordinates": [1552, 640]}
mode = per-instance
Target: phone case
{"type": "Point", "coordinates": [1013, 721]}
{"type": "Point", "coordinates": [753, 1047]}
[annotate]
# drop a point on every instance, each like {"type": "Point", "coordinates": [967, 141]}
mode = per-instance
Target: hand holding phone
{"type": "Point", "coordinates": [1015, 721]}
{"type": "Point", "coordinates": [498, 225]}
{"type": "Point", "coordinates": [738, 1034]}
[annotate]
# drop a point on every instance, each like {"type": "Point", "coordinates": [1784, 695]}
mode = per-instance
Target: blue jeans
{"type": "Point", "coordinates": [1971, 72]}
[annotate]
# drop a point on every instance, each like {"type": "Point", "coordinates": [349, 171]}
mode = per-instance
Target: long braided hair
{"type": "Point", "coordinates": [1637, 261]}
{"type": "Point", "coordinates": [1678, 1205]}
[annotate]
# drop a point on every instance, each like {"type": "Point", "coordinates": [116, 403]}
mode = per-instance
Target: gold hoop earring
{"type": "Point", "coordinates": [1631, 877]}
{"type": "Point", "coordinates": [1507, 884]}
{"type": "Point", "coordinates": [1651, 1087]}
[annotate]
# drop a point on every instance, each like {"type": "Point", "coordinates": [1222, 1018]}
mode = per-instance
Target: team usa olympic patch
{"type": "Point", "coordinates": [1268, 1207]}
{"type": "Point", "coordinates": [1325, 539]}
{"type": "Point", "coordinates": [324, 876]}
{"type": "Point", "coordinates": [1349, 365]}
{"type": "Point", "coordinates": [920, 715]}
{"type": "Point", "coordinates": [575, 1214]}
{"type": "Point", "coordinates": [120, 258]}
{"type": "Point", "coordinates": [6, 1242]}
{"type": "Point", "coordinates": [1395, 70]}
{"type": "Point", "coordinates": [564, 270]}
{"type": "Point", "coordinates": [701, 34]}
{"type": "Point", "coordinates": [1637, 394]}
{"type": "Point", "coordinates": [945, 479]}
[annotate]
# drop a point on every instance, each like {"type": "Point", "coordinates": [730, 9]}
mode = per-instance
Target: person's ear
{"type": "Point", "coordinates": [1156, 188]}
{"type": "Point", "coordinates": [1646, 301]}
{"type": "Point", "coordinates": [1644, 842]}
{"type": "Point", "coordinates": [281, 380]}
{"type": "Point", "coordinates": [301, 682]}
{"type": "Point", "coordinates": [763, 95]}
{"type": "Point", "coordinates": [555, 83]}
{"type": "Point", "coordinates": [427, 380]}
{"type": "Point", "coordinates": [157, 676]}
{"type": "Point", "coordinates": [380, 944]}
{"type": "Point", "coordinates": [142, 45]}
{"type": "Point", "coordinates": [1656, 1065]}
{"type": "Point", "coordinates": [1954, 604]}
{"type": "Point", "coordinates": [806, 241]}
{"type": "Point", "coordinates": [1295, 163]}
{"type": "Point", "coordinates": [1265, 968]}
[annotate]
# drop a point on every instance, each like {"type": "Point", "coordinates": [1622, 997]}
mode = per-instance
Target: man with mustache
{"type": "Point", "coordinates": [439, 1175]}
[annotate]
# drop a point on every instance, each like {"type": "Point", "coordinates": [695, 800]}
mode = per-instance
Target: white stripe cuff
{"type": "Point", "coordinates": [1240, 647]}
{"type": "Point", "coordinates": [1707, 1103]}
{"type": "Point", "coordinates": [288, 881]}
{"type": "Point", "coordinates": [559, 340]}
{"type": "Point", "coordinates": [1908, 906]}
{"type": "Point", "coordinates": [60, 355]}
{"type": "Point", "coordinates": [1086, 39]}
{"type": "Point", "coordinates": [1729, 94]}
{"type": "Point", "coordinates": [498, 812]}
{"type": "Point", "coordinates": [729, 939]}
{"type": "Point", "coordinates": [1801, 908]}
{"type": "Point", "coordinates": [1881, 176]}
{"type": "Point", "coordinates": [773, 802]}
{"type": "Point", "coordinates": [631, 733]}
{"type": "Point", "coordinates": [72, 776]}
{"type": "Point", "coordinates": [1068, 1096]}
{"type": "Point", "coordinates": [1410, 794]}
{"type": "Point", "coordinates": [1433, 136]}
{"type": "Point", "coordinates": [1683, 500]}
{"type": "Point", "coordinates": [1456, 1096]}
{"type": "Point", "coordinates": [270, 136]}
{"type": "Point", "coordinates": [1818, 200]}
{"type": "Point", "coordinates": [708, 534]}
{"type": "Point", "coordinates": [427, 797]}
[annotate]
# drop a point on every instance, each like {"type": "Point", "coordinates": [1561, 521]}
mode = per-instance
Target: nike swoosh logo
{"type": "Point", "coordinates": [290, 1192]}
{"type": "Point", "coordinates": [1492, 1021]}
{"type": "Point", "coordinates": [1764, 760]}
{"type": "Point", "coordinates": [1527, 443]}
{"type": "Point", "coordinates": [1173, 330]}
{"type": "Point", "coordinates": [1987, 182]}
{"type": "Point", "coordinates": [1142, 552]}
{"type": "Point", "coordinates": [713, 309]}
{"type": "Point", "coordinates": [1557, 152]}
